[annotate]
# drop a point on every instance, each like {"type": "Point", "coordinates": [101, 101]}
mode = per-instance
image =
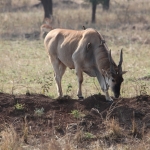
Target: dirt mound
{"type": "Point", "coordinates": [44, 117]}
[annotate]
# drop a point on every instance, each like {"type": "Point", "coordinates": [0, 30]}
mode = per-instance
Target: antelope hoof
{"type": "Point", "coordinates": [80, 97]}
{"type": "Point", "coordinates": [109, 100]}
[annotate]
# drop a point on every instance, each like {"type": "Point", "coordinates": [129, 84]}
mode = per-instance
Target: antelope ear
{"type": "Point", "coordinates": [123, 72]}
{"type": "Point", "coordinates": [89, 45]}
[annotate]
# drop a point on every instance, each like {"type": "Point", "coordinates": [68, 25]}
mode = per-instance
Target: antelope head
{"type": "Point", "coordinates": [115, 75]}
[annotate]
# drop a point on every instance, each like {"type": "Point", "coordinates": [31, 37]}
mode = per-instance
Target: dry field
{"type": "Point", "coordinates": [32, 118]}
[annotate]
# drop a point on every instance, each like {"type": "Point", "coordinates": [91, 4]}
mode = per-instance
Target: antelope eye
{"type": "Point", "coordinates": [113, 80]}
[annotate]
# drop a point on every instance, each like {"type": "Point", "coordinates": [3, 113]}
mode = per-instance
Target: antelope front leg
{"type": "Point", "coordinates": [104, 86]}
{"type": "Point", "coordinates": [80, 80]}
{"type": "Point", "coordinates": [105, 90]}
{"type": "Point", "coordinates": [108, 98]}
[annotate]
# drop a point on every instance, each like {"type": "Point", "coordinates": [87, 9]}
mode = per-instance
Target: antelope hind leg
{"type": "Point", "coordinates": [59, 70]}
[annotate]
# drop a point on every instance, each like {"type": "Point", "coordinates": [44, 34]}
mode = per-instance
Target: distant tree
{"type": "Point", "coordinates": [48, 8]}
{"type": "Point", "coordinates": [105, 4]}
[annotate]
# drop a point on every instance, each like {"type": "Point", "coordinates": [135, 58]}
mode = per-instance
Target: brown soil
{"type": "Point", "coordinates": [57, 119]}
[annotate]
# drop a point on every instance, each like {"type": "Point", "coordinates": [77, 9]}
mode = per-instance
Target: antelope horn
{"type": "Point", "coordinates": [120, 62]}
{"type": "Point", "coordinates": [112, 70]}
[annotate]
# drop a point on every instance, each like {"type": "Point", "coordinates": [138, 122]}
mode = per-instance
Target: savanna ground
{"type": "Point", "coordinates": [30, 115]}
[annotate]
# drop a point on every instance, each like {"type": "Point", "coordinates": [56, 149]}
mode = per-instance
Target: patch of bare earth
{"type": "Point", "coordinates": [44, 117]}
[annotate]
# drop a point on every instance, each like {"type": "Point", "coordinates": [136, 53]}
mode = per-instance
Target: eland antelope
{"type": "Point", "coordinates": [84, 51]}
{"type": "Point", "coordinates": [46, 27]}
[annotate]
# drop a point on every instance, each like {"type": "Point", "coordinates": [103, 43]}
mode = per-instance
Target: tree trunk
{"type": "Point", "coordinates": [94, 5]}
{"type": "Point", "coordinates": [48, 8]}
{"type": "Point", "coordinates": [106, 4]}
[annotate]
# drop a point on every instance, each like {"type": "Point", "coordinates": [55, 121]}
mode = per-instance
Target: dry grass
{"type": "Point", "coordinates": [9, 139]}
